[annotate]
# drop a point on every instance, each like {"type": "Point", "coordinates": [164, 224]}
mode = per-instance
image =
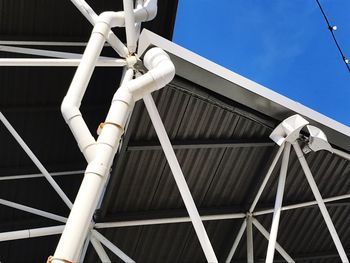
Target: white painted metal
{"type": "Point", "coordinates": [35, 160]}
{"type": "Point", "coordinates": [342, 154]}
{"type": "Point", "coordinates": [85, 248]}
{"type": "Point", "coordinates": [92, 17]}
{"type": "Point", "coordinates": [266, 179]}
{"type": "Point", "coordinates": [33, 210]}
{"type": "Point", "coordinates": [30, 233]}
{"type": "Point", "coordinates": [250, 245]}
{"type": "Point", "coordinates": [29, 176]}
{"type": "Point", "coordinates": [179, 179]}
{"type": "Point", "coordinates": [301, 205]}
{"type": "Point", "coordinates": [278, 204]}
{"type": "Point", "coordinates": [236, 242]}
{"type": "Point", "coordinates": [320, 203]}
{"type": "Point", "coordinates": [174, 220]}
{"type": "Point", "coordinates": [43, 43]}
{"type": "Point", "coordinates": [266, 234]}
{"type": "Point", "coordinates": [130, 25]}
{"type": "Point", "coordinates": [50, 62]}
{"type": "Point", "coordinates": [100, 251]}
{"type": "Point", "coordinates": [111, 247]}
{"type": "Point", "coordinates": [40, 52]}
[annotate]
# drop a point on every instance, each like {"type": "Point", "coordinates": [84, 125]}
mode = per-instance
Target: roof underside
{"type": "Point", "coordinates": [222, 146]}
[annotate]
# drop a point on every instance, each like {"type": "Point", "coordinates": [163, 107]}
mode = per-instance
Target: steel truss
{"type": "Point", "coordinates": [286, 141]}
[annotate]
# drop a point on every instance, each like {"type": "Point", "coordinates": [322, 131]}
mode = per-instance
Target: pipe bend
{"type": "Point", "coordinates": [69, 110]}
{"type": "Point", "coordinates": [161, 72]}
{"type": "Point", "coordinates": [113, 19]}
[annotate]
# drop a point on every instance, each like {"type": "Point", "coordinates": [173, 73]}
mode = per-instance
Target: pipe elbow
{"type": "Point", "coordinates": [161, 72]}
{"type": "Point", "coordinates": [161, 68]}
{"type": "Point", "coordinates": [69, 110]}
{"type": "Point", "coordinates": [113, 19]}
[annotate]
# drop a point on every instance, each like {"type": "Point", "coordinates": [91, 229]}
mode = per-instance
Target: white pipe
{"type": "Point", "coordinates": [100, 251]}
{"type": "Point", "coordinates": [266, 234]}
{"type": "Point", "coordinates": [92, 17]}
{"type": "Point", "coordinates": [320, 203]}
{"type": "Point", "coordinates": [301, 205]}
{"type": "Point", "coordinates": [111, 247]}
{"type": "Point", "coordinates": [29, 176]}
{"type": "Point", "coordinates": [267, 177]}
{"type": "Point", "coordinates": [174, 220]}
{"type": "Point", "coordinates": [278, 204]}
{"type": "Point", "coordinates": [250, 245]}
{"type": "Point", "coordinates": [35, 160]}
{"type": "Point", "coordinates": [130, 25]}
{"type": "Point", "coordinates": [30, 233]}
{"type": "Point", "coordinates": [180, 179]}
{"type": "Point", "coordinates": [100, 159]}
{"type": "Point", "coordinates": [236, 242]}
{"type": "Point", "coordinates": [46, 62]}
{"type": "Point", "coordinates": [33, 210]}
{"type": "Point", "coordinates": [342, 154]}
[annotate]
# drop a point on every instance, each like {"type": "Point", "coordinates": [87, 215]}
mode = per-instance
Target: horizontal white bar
{"type": "Point", "coordinates": [51, 62]}
{"type": "Point", "coordinates": [33, 210]}
{"type": "Point", "coordinates": [295, 206]}
{"type": "Point", "coordinates": [30, 233]}
{"type": "Point", "coordinates": [44, 43]}
{"type": "Point", "coordinates": [29, 176]}
{"type": "Point", "coordinates": [168, 220]}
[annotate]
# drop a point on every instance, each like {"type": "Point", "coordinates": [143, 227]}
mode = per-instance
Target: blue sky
{"type": "Point", "coordinates": [282, 44]}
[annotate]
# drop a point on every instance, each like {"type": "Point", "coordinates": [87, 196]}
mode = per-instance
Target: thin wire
{"type": "Point", "coordinates": [330, 27]}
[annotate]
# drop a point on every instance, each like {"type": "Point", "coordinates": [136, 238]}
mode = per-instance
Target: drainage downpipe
{"type": "Point", "coordinates": [161, 71]}
{"type": "Point", "coordinates": [71, 102]}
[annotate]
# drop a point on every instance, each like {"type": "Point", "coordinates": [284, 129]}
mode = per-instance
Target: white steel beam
{"type": "Point", "coordinates": [301, 205]}
{"type": "Point", "coordinates": [179, 179]}
{"type": "Point", "coordinates": [100, 251]}
{"type": "Point", "coordinates": [320, 203]}
{"type": "Point", "coordinates": [236, 242]}
{"type": "Point", "coordinates": [35, 160]}
{"type": "Point", "coordinates": [278, 204]}
{"type": "Point", "coordinates": [267, 177]}
{"type": "Point", "coordinates": [174, 220]}
{"type": "Point", "coordinates": [43, 43]}
{"type": "Point", "coordinates": [342, 154]}
{"type": "Point", "coordinates": [33, 211]}
{"type": "Point", "coordinates": [30, 233]}
{"type": "Point", "coordinates": [250, 244]}
{"type": "Point", "coordinates": [111, 246]}
{"type": "Point", "coordinates": [50, 62]}
{"type": "Point", "coordinates": [29, 176]}
{"type": "Point", "coordinates": [266, 234]}
{"type": "Point", "coordinates": [84, 249]}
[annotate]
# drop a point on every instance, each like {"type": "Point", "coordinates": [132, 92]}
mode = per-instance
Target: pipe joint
{"type": "Point", "coordinates": [113, 19]}
{"type": "Point", "coordinates": [69, 110]}
{"type": "Point", "coordinates": [102, 28]}
{"type": "Point", "coordinates": [97, 167]}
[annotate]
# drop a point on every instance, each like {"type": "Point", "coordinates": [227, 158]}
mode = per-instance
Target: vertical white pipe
{"type": "Point", "coordinates": [111, 247]}
{"type": "Point", "coordinates": [278, 204]}
{"type": "Point", "coordinates": [236, 242]}
{"type": "Point", "coordinates": [100, 251]}
{"type": "Point", "coordinates": [180, 179]}
{"type": "Point", "coordinates": [266, 234]}
{"type": "Point", "coordinates": [267, 177]}
{"type": "Point", "coordinates": [35, 160]}
{"type": "Point", "coordinates": [320, 203]}
{"type": "Point", "coordinates": [250, 245]}
{"type": "Point", "coordinates": [33, 211]}
{"type": "Point", "coordinates": [130, 25]}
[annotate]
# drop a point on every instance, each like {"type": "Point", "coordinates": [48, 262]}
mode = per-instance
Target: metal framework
{"type": "Point", "coordinates": [286, 135]}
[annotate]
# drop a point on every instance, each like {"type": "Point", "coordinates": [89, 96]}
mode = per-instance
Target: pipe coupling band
{"type": "Point", "coordinates": [101, 28]}
{"type": "Point", "coordinates": [96, 167]}
{"type": "Point", "coordinates": [51, 258]}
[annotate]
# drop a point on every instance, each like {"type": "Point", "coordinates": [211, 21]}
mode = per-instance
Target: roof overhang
{"type": "Point", "coordinates": [222, 81]}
